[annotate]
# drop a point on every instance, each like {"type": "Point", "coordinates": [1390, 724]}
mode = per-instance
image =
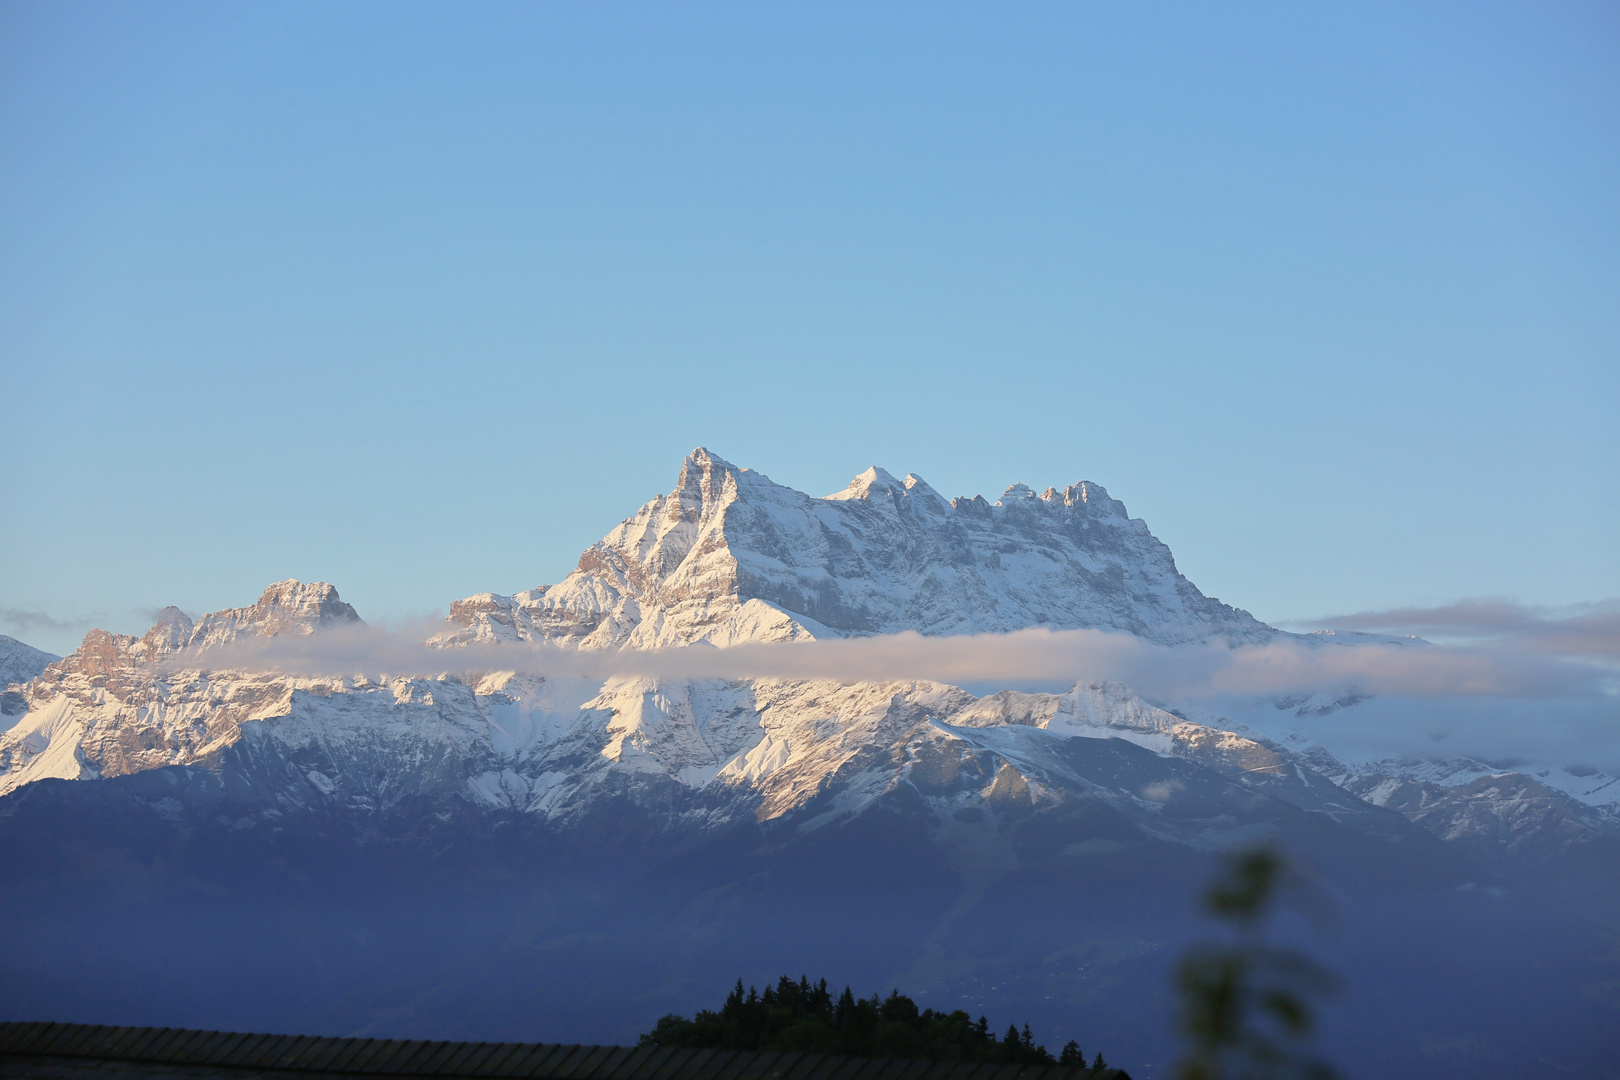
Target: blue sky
{"type": "Point", "coordinates": [422, 300]}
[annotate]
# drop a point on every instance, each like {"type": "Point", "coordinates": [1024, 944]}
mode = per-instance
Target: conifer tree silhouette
{"type": "Point", "coordinates": [798, 1015]}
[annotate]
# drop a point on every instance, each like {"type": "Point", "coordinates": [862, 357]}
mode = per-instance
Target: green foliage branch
{"type": "Point", "coordinates": [1247, 1009]}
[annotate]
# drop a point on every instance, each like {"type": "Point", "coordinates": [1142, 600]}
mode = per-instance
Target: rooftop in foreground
{"type": "Point", "coordinates": [95, 1052]}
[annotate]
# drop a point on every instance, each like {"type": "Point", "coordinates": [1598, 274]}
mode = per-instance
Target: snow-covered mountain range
{"type": "Point", "coordinates": [729, 557]}
{"type": "Point", "coordinates": [472, 852]}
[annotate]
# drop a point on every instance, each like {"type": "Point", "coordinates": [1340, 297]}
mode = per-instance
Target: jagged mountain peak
{"type": "Point", "coordinates": [705, 478]}
{"type": "Point", "coordinates": [171, 631]}
{"type": "Point", "coordinates": [297, 602]}
{"type": "Point", "coordinates": [92, 713]}
{"type": "Point", "coordinates": [172, 617]}
{"type": "Point", "coordinates": [702, 458]}
{"type": "Point", "coordinates": [285, 607]}
{"type": "Point", "coordinates": [874, 479]}
{"type": "Point", "coordinates": [731, 556]}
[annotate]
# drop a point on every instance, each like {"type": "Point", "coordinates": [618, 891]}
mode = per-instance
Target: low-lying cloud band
{"type": "Point", "coordinates": [1285, 665]}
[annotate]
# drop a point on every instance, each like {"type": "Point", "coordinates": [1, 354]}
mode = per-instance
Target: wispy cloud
{"type": "Point", "coordinates": [28, 620]}
{"type": "Point", "coordinates": [1287, 665]}
{"type": "Point", "coordinates": [1582, 630]}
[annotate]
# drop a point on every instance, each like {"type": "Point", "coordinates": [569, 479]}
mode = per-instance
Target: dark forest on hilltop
{"type": "Point", "coordinates": [803, 1016]}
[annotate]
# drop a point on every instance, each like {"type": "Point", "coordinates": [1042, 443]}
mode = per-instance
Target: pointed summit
{"type": "Point", "coordinates": [706, 484]}
{"type": "Point", "coordinates": [874, 479]}
{"type": "Point", "coordinates": [702, 459]}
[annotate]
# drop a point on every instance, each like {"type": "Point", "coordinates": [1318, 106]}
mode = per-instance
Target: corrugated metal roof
{"type": "Point", "coordinates": [520, 1061]}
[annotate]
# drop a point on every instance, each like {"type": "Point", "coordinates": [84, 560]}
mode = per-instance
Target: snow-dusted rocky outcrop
{"type": "Point", "coordinates": [287, 607]}
{"type": "Point", "coordinates": [20, 662]}
{"type": "Point", "coordinates": [107, 710]}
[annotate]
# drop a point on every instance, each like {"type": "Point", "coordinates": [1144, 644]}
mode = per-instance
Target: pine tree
{"type": "Point", "coordinates": [1072, 1055]}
